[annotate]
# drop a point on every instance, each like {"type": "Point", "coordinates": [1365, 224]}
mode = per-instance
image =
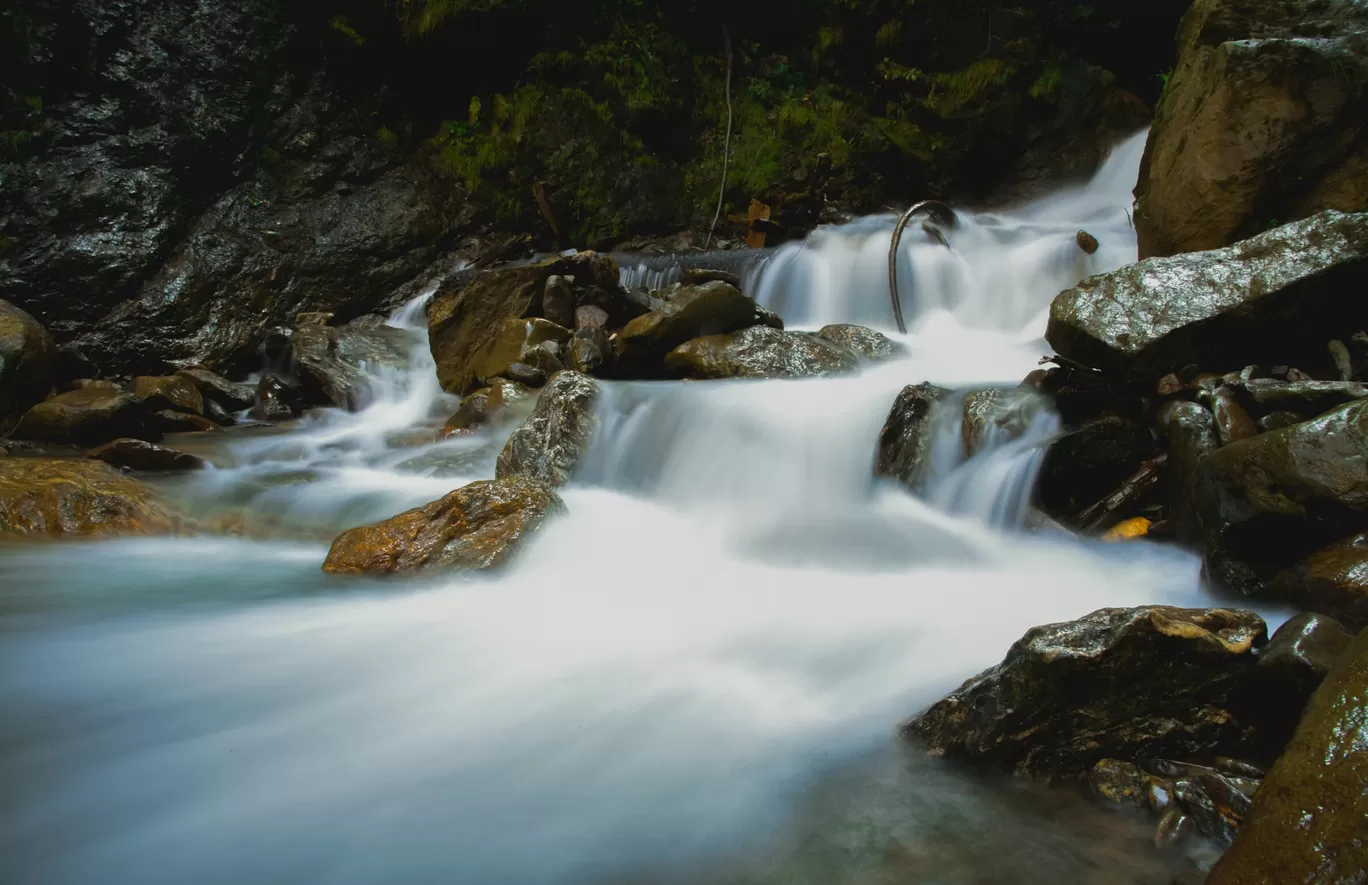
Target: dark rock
{"type": "Point", "coordinates": [1123, 683]}
{"type": "Point", "coordinates": [473, 414]}
{"type": "Point", "coordinates": [1278, 420]}
{"type": "Point", "coordinates": [1333, 580]}
{"type": "Point", "coordinates": [1277, 294]}
{"type": "Point", "coordinates": [998, 413]}
{"type": "Point", "coordinates": [1087, 463]}
{"type": "Point", "coordinates": [69, 364]}
{"type": "Point", "coordinates": [1239, 767]}
{"type": "Point", "coordinates": [1169, 385]}
{"type": "Point", "coordinates": [88, 417]}
{"type": "Point", "coordinates": [1306, 823]}
{"type": "Point", "coordinates": [1232, 422]}
{"type": "Point", "coordinates": [590, 317]}
{"type": "Point", "coordinates": [26, 358]}
{"type": "Point", "coordinates": [558, 301]}
{"type": "Point", "coordinates": [549, 444]}
{"type": "Point", "coordinates": [590, 350]}
{"type": "Point", "coordinates": [769, 318]}
{"type": "Point", "coordinates": [215, 388]}
{"type": "Point", "coordinates": [621, 305]}
{"type": "Point", "coordinates": [545, 357]}
{"type": "Point", "coordinates": [1215, 805]}
{"type": "Point", "coordinates": [1087, 242]}
{"type": "Point", "coordinates": [335, 364]}
{"type": "Point", "coordinates": [171, 421]}
{"type": "Point", "coordinates": [176, 393]}
{"type": "Point", "coordinates": [476, 527]}
{"type": "Point", "coordinates": [865, 343]}
{"type": "Point", "coordinates": [1122, 783]}
{"type": "Point", "coordinates": [759, 352]}
{"type": "Point", "coordinates": [1295, 374]}
{"type": "Point", "coordinates": [74, 498]}
{"type": "Point", "coordinates": [218, 414]}
{"type": "Point", "coordinates": [469, 327]}
{"type": "Point", "coordinates": [1159, 794]}
{"type": "Point", "coordinates": [275, 401]}
{"type": "Point", "coordinates": [905, 440]}
{"type": "Point", "coordinates": [1260, 122]}
{"type": "Point", "coordinates": [1266, 502]}
{"type": "Point", "coordinates": [1305, 398]}
{"type": "Point", "coordinates": [697, 276]}
{"type": "Point", "coordinates": [1344, 365]}
{"type": "Point", "coordinates": [1291, 667]}
{"type": "Point", "coordinates": [710, 309]}
{"type": "Point", "coordinates": [1191, 433]}
{"type": "Point", "coordinates": [522, 373]}
{"type": "Point", "coordinates": [135, 454]}
{"type": "Point", "coordinates": [1173, 829]}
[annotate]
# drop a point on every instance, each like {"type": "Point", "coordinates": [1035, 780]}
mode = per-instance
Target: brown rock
{"type": "Point", "coordinates": [1232, 422]}
{"type": "Point", "coordinates": [169, 421]}
{"type": "Point", "coordinates": [1332, 581]}
{"type": "Point", "coordinates": [476, 527]}
{"type": "Point", "coordinates": [714, 308]}
{"type": "Point", "coordinates": [215, 388]}
{"type": "Point", "coordinates": [558, 301]}
{"type": "Point", "coordinates": [64, 499]}
{"type": "Point", "coordinates": [1087, 242]}
{"type": "Point", "coordinates": [89, 416]}
{"type": "Point", "coordinates": [136, 454]}
{"type": "Point", "coordinates": [590, 317]}
{"type": "Point", "coordinates": [27, 355]}
{"type": "Point", "coordinates": [178, 393]}
{"type": "Point", "coordinates": [473, 414]}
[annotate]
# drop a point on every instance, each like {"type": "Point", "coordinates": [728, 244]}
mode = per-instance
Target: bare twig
{"type": "Point", "coordinates": [938, 211]}
{"type": "Point", "coordinates": [726, 143]}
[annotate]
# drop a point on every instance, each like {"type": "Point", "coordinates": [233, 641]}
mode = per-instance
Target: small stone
{"type": "Point", "coordinates": [590, 316]}
{"type": "Point", "coordinates": [274, 401]}
{"type": "Point", "coordinates": [1232, 421]}
{"type": "Point", "coordinates": [473, 414]}
{"type": "Point", "coordinates": [1116, 781]}
{"type": "Point", "coordinates": [522, 373]}
{"type": "Point", "coordinates": [1086, 241]}
{"type": "Point", "coordinates": [1298, 375]}
{"type": "Point", "coordinates": [558, 301]}
{"type": "Point", "coordinates": [1173, 830]}
{"type": "Point", "coordinates": [1169, 385]}
{"type": "Point", "coordinates": [545, 356]}
{"type": "Point", "coordinates": [136, 454]}
{"type": "Point", "coordinates": [1158, 794]}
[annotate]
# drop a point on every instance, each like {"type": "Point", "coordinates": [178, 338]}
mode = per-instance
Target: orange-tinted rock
{"type": "Point", "coordinates": [176, 392]}
{"type": "Point", "coordinates": [63, 499]}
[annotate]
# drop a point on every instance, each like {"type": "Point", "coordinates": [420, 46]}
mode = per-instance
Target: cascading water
{"type": "Point", "coordinates": [694, 676]}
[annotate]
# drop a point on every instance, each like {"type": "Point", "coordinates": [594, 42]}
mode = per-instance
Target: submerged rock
{"type": "Point", "coordinates": [1126, 683]}
{"type": "Point", "coordinates": [1275, 297]}
{"type": "Point", "coordinates": [865, 343]}
{"type": "Point", "coordinates": [137, 454]}
{"type": "Point", "coordinates": [89, 416]}
{"type": "Point", "coordinates": [64, 499]}
{"type": "Point", "coordinates": [1333, 580]}
{"type": "Point", "coordinates": [275, 401]}
{"type": "Point", "coordinates": [549, 444]}
{"type": "Point", "coordinates": [26, 361]}
{"type": "Point", "coordinates": [905, 440]}
{"type": "Point", "coordinates": [476, 527]}
{"type": "Point", "coordinates": [1307, 820]}
{"type": "Point", "coordinates": [759, 352]}
{"type": "Point", "coordinates": [713, 308]}
{"type": "Point", "coordinates": [1261, 120]}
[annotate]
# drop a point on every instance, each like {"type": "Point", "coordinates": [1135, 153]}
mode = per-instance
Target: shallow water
{"type": "Point", "coordinates": [694, 676]}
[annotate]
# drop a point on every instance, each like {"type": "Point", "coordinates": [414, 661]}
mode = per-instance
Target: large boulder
{"type": "Point", "coordinates": [905, 440]}
{"type": "Point", "coordinates": [1273, 299]}
{"type": "Point", "coordinates": [1127, 683]}
{"type": "Point", "coordinates": [760, 352]}
{"type": "Point", "coordinates": [468, 323]}
{"type": "Point", "coordinates": [336, 365]}
{"type": "Point", "coordinates": [66, 499]}
{"type": "Point", "coordinates": [89, 416]}
{"type": "Point", "coordinates": [1264, 119]}
{"type": "Point", "coordinates": [1307, 821]}
{"type": "Point", "coordinates": [548, 446]}
{"type": "Point", "coordinates": [713, 308]}
{"type": "Point", "coordinates": [26, 358]}
{"type": "Point", "coordinates": [476, 527]}
{"type": "Point", "coordinates": [1266, 502]}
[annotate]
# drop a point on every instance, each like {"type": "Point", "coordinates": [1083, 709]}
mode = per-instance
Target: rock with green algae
{"type": "Point", "coordinates": [49, 498]}
{"type": "Point", "coordinates": [1307, 823]}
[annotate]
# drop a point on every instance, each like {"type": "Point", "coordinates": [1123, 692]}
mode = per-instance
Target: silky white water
{"type": "Point", "coordinates": [733, 614]}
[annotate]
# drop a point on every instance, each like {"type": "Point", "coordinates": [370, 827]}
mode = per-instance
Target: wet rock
{"type": "Point", "coordinates": [522, 373]}
{"type": "Point", "coordinates": [1123, 683]}
{"type": "Point", "coordinates": [1239, 767]}
{"type": "Point", "coordinates": [503, 392]}
{"type": "Point", "coordinates": [218, 414]}
{"type": "Point", "coordinates": [473, 414]}
{"type": "Point", "coordinates": [473, 328]}
{"type": "Point", "coordinates": [1122, 783]}
{"type": "Point", "coordinates": [176, 393]}
{"type": "Point", "coordinates": [1306, 823]}
{"type": "Point", "coordinates": [476, 527]}
{"type": "Point", "coordinates": [1159, 792]}
{"type": "Point", "coordinates": [1169, 385]}
{"type": "Point", "coordinates": [1278, 420]}
{"type": "Point", "coordinates": [275, 401]}
{"type": "Point", "coordinates": [590, 317]}
{"type": "Point", "coordinates": [1268, 501]}
{"type": "Point", "coordinates": [558, 301]}
{"type": "Point", "coordinates": [335, 365]}
{"type": "Point", "coordinates": [590, 350]}
{"type": "Point", "coordinates": [905, 440]}
{"type": "Point", "coordinates": [621, 305]}
{"type": "Point", "coordinates": [771, 319]}
{"type": "Point", "coordinates": [26, 358]}
{"type": "Point", "coordinates": [1173, 829]}
{"type": "Point", "coordinates": [1260, 122]}
{"type": "Point", "coordinates": [1305, 398]}
{"type": "Point", "coordinates": [1272, 296]}
{"type": "Point", "coordinates": [1333, 580]}
{"type": "Point", "coordinates": [1232, 422]}
{"type": "Point", "coordinates": [169, 421]}
{"type": "Point", "coordinates": [136, 454]}
{"type": "Point", "coordinates": [75, 498]}
{"type": "Point", "coordinates": [865, 343]}
{"type": "Point", "coordinates": [999, 413]}
{"type": "Point", "coordinates": [1344, 365]}
{"type": "Point", "coordinates": [215, 388]}
{"type": "Point", "coordinates": [1087, 463]}
{"type": "Point", "coordinates": [88, 417]}
{"type": "Point", "coordinates": [759, 352]}
{"type": "Point", "coordinates": [549, 444]}
{"type": "Point", "coordinates": [1215, 805]}
{"type": "Point", "coordinates": [1191, 432]}
{"type": "Point", "coordinates": [1087, 242]}
{"type": "Point", "coordinates": [545, 357]}
{"type": "Point", "coordinates": [714, 308]}
{"type": "Point", "coordinates": [697, 276]}
{"type": "Point", "coordinates": [1291, 667]}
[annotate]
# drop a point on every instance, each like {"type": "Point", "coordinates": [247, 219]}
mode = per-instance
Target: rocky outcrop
{"type": "Point", "coordinates": [476, 527]}
{"type": "Point", "coordinates": [905, 440]}
{"type": "Point", "coordinates": [1264, 120]}
{"type": "Point", "coordinates": [1306, 824]}
{"type": "Point", "coordinates": [864, 343]}
{"type": "Point", "coordinates": [72, 499]}
{"type": "Point", "coordinates": [89, 416]}
{"type": "Point", "coordinates": [759, 352]}
{"type": "Point", "coordinates": [1126, 683]}
{"type": "Point", "coordinates": [1273, 299]}
{"type": "Point", "coordinates": [137, 454]}
{"type": "Point", "coordinates": [713, 308]}
{"type": "Point", "coordinates": [548, 446]}
{"type": "Point", "coordinates": [26, 357]}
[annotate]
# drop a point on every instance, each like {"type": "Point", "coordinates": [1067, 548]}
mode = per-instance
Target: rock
{"type": "Point", "coordinates": [1124, 683]}
{"type": "Point", "coordinates": [1173, 829]}
{"type": "Point", "coordinates": [1279, 294]}
{"type": "Point", "coordinates": [473, 414]}
{"type": "Point", "coordinates": [169, 421]}
{"type": "Point", "coordinates": [63, 499]}
{"type": "Point", "coordinates": [1305, 398]}
{"type": "Point", "coordinates": [759, 352]}
{"type": "Point", "coordinates": [621, 305]}
{"type": "Point", "coordinates": [1277, 421]}
{"type": "Point", "coordinates": [590, 350]}
{"type": "Point", "coordinates": [864, 343]}
{"type": "Point", "coordinates": [1264, 503]}
{"type": "Point", "coordinates": [998, 414]}
{"type": "Point", "coordinates": [88, 417]}
{"type": "Point", "coordinates": [1215, 805]}
{"type": "Point", "coordinates": [215, 388]}
{"type": "Point", "coordinates": [1087, 242]}
{"type": "Point", "coordinates": [1191, 432]}
{"type": "Point", "coordinates": [545, 357]}
{"type": "Point", "coordinates": [473, 329]}
{"type": "Point", "coordinates": [1306, 823]}
{"type": "Point", "coordinates": [1128, 530]}
{"type": "Point", "coordinates": [522, 373]}
{"type": "Point", "coordinates": [335, 365]}
{"type": "Point", "coordinates": [1232, 422]}
{"type": "Point", "coordinates": [274, 401]}
{"type": "Point", "coordinates": [26, 362]}
{"type": "Point", "coordinates": [476, 527]}
{"type": "Point", "coordinates": [1291, 668]}
{"type": "Point", "coordinates": [697, 276]}
{"type": "Point", "coordinates": [1122, 783]}
{"type": "Point", "coordinates": [905, 440]}
{"type": "Point", "coordinates": [218, 414]}
{"type": "Point", "coordinates": [590, 317]}
{"type": "Point", "coordinates": [1333, 580]}
{"type": "Point", "coordinates": [771, 319]}
{"type": "Point", "coordinates": [558, 301]}
{"type": "Point", "coordinates": [1261, 121]}
{"type": "Point", "coordinates": [549, 444]}
{"type": "Point", "coordinates": [1239, 767]}
{"type": "Point", "coordinates": [1086, 463]}
{"type": "Point", "coordinates": [136, 454]}
{"type": "Point", "coordinates": [174, 392]}
{"type": "Point", "coordinates": [714, 308]}
{"type": "Point", "coordinates": [503, 392]}
{"type": "Point", "coordinates": [1344, 365]}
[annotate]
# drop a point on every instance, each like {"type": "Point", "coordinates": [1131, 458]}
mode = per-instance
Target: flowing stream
{"type": "Point", "coordinates": [695, 676]}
